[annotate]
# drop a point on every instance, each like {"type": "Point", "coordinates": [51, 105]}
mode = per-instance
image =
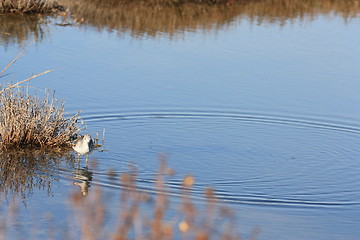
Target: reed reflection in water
{"type": "Point", "coordinates": [144, 19]}
{"type": "Point", "coordinates": [21, 29]}
{"type": "Point", "coordinates": [23, 171]}
{"type": "Point", "coordinates": [149, 18]}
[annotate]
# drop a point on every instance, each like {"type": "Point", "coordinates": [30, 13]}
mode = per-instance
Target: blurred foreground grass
{"type": "Point", "coordinates": [144, 215]}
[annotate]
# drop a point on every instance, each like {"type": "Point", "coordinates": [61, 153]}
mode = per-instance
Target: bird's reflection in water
{"type": "Point", "coordinates": [83, 178]}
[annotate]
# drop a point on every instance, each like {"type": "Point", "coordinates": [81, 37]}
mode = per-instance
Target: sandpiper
{"type": "Point", "coordinates": [84, 145]}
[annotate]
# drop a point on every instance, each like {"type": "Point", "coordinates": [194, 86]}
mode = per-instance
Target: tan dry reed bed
{"type": "Point", "coordinates": [32, 121]}
{"type": "Point", "coordinates": [28, 6]}
{"type": "Point", "coordinates": [28, 120]}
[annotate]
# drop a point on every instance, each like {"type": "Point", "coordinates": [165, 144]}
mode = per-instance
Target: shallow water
{"type": "Point", "coordinates": [266, 114]}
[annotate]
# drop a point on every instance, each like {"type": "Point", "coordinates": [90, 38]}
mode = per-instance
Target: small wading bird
{"type": "Point", "coordinates": [84, 145]}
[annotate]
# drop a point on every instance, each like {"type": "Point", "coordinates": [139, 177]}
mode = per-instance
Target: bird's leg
{"type": "Point", "coordinates": [78, 163]}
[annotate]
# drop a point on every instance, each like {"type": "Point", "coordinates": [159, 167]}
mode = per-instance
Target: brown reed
{"type": "Point", "coordinates": [27, 6]}
{"type": "Point", "coordinates": [32, 121]}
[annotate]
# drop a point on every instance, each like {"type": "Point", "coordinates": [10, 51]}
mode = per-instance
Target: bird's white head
{"type": "Point", "coordinates": [87, 138]}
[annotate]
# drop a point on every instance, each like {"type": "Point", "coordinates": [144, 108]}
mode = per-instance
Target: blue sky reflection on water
{"type": "Point", "coordinates": [302, 78]}
{"type": "Point", "coordinates": [264, 65]}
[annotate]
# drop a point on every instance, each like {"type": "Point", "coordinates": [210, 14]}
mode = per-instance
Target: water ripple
{"type": "Point", "coordinates": [242, 116]}
{"type": "Point", "coordinates": [272, 160]}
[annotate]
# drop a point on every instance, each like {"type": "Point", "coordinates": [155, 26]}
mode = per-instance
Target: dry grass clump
{"type": "Point", "coordinates": [31, 121]}
{"type": "Point", "coordinates": [28, 6]}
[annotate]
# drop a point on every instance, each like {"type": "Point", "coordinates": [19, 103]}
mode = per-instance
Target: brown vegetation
{"type": "Point", "coordinates": [260, 8]}
{"type": "Point", "coordinates": [31, 121]}
{"type": "Point", "coordinates": [28, 6]}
